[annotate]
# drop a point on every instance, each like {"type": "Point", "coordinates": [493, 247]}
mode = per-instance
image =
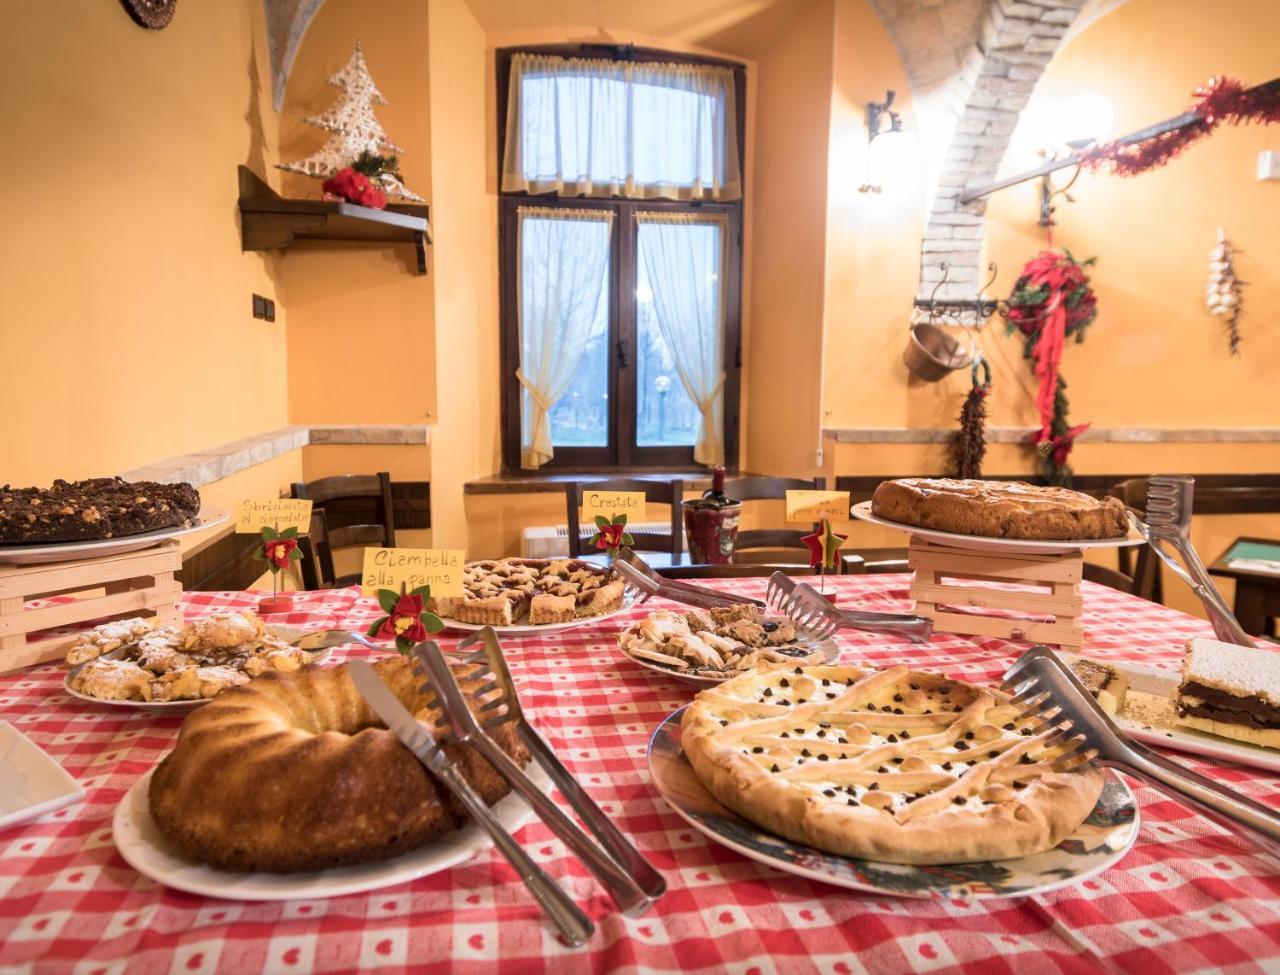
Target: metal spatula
{"type": "Point", "coordinates": [1047, 689]}
{"type": "Point", "coordinates": [1169, 505]}
{"type": "Point", "coordinates": [807, 608]}
{"type": "Point", "coordinates": [640, 577]}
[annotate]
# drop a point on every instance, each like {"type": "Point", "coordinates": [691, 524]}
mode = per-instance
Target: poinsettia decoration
{"type": "Point", "coordinates": [611, 534]}
{"type": "Point", "coordinates": [279, 549]}
{"type": "Point", "coordinates": [1051, 301]}
{"type": "Point", "coordinates": [406, 621]}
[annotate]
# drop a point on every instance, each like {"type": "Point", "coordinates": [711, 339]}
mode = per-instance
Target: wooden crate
{"type": "Point", "coordinates": [139, 583]}
{"type": "Point", "coordinates": [1044, 606]}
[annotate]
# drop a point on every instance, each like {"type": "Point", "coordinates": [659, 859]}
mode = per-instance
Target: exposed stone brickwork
{"type": "Point", "coordinates": [973, 65]}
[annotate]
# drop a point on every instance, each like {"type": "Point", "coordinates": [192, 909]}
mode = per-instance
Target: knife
{"type": "Point", "coordinates": [418, 738]}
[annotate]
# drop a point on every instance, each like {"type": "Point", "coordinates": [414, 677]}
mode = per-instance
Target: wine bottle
{"type": "Point", "coordinates": [716, 496]}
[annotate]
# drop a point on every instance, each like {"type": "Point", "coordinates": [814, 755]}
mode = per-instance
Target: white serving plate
{"type": "Point", "coordinates": [1013, 546]}
{"type": "Point", "coordinates": [145, 849]}
{"type": "Point", "coordinates": [1098, 843]}
{"type": "Point", "coordinates": [828, 647]}
{"type": "Point", "coordinates": [1162, 683]}
{"type": "Point", "coordinates": [528, 629]}
{"type": "Point", "coordinates": [65, 551]}
{"type": "Point", "coordinates": [33, 783]}
{"type": "Point", "coordinates": [181, 707]}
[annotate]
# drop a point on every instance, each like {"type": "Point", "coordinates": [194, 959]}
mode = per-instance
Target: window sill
{"type": "Point", "coordinates": [536, 482]}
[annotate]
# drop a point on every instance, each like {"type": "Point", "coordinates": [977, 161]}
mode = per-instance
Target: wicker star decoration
{"type": "Point", "coordinates": [824, 546]}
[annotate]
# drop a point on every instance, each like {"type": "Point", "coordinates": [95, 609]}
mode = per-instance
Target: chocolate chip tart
{"type": "Point", "coordinates": [896, 765]}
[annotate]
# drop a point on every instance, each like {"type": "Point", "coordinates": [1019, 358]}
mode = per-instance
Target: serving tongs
{"type": "Point", "coordinates": [1169, 503]}
{"type": "Point", "coordinates": [619, 867]}
{"type": "Point", "coordinates": [640, 577]}
{"type": "Point", "coordinates": [807, 608]}
{"type": "Point", "coordinates": [558, 906]}
{"type": "Point", "coordinates": [1046, 688]}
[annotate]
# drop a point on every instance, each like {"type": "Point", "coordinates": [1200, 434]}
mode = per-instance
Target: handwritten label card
{"type": "Point", "coordinates": [387, 568]}
{"type": "Point", "coordinates": [258, 513]}
{"type": "Point", "coordinates": [611, 503]}
{"type": "Point", "coordinates": [816, 505]}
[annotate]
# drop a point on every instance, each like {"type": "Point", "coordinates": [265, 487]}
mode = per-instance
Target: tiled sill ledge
{"type": "Point", "coordinates": [231, 458]}
{"type": "Point", "coordinates": [904, 435]}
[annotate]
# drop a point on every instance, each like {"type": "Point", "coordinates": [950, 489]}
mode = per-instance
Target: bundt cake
{"type": "Point", "coordinates": [294, 771]}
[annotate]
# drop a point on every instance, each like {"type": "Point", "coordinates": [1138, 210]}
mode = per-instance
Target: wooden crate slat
{"type": "Point", "coordinates": [964, 562]}
{"type": "Point", "coordinates": [29, 581]}
{"type": "Point", "coordinates": [1032, 631]}
{"type": "Point", "coordinates": [1027, 602]}
{"type": "Point", "coordinates": [77, 611]}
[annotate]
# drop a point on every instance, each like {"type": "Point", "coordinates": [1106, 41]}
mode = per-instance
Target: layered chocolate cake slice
{"type": "Point", "coordinates": [1231, 691]}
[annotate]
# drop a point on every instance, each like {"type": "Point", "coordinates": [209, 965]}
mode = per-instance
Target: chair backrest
{"type": "Point", "coordinates": [342, 499]}
{"type": "Point", "coordinates": [874, 561]}
{"type": "Point", "coordinates": [1105, 576]}
{"type": "Point", "coordinates": [1216, 494]}
{"type": "Point", "coordinates": [317, 555]}
{"type": "Point", "coordinates": [655, 492]}
{"type": "Point", "coordinates": [763, 488]}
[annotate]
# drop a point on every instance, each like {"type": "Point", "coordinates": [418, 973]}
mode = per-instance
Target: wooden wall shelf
{"type": "Point", "coordinates": [268, 221]}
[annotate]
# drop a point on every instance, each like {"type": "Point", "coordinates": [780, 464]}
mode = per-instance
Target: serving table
{"type": "Point", "coordinates": [1187, 897]}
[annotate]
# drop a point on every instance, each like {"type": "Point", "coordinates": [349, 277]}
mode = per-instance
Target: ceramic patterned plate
{"type": "Point", "coordinates": [62, 551]}
{"type": "Point", "coordinates": [1163, 684]}
{"type": "Point", "coordinates": [1100, 841]}
{"type": "Point", "coordinates": [528, 629]}
{"type": "Point", "coordinates": [145, 849]}
{"type": "Point", "coordinates": [1013, 546]}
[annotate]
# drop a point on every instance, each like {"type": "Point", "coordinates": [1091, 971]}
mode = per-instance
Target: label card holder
{"type": "Point", "coordinates": [255, 514]}
{"type": "Point", "coordinates": [388, 568]}
{"type": "Point", "coordinates": [815, 505]}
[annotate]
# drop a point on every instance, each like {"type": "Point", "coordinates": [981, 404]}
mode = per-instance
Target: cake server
{"type": "Point", "coordinates": [807, 608]}
{"type": "Point", "coordinates": [418, 738]}
{"type": "Point", "coordinates": [1046, 688]}
{"type": "Point", "coordinates": [456, 719]}
{"type": "Point", "coordinates": [640, 577]}
{"type": "Point", "coordinates": [497, 703]}
{"type": "Point", "coordinates": [1169, 504]}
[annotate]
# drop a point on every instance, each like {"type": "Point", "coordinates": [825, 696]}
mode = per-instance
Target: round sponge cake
{"type": "Point", "coordinates": [294, 771]}
{"type": "Point", "coordinates": [999, 509]}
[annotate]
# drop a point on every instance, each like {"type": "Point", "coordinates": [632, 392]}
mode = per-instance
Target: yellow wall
{"type": "Point", "coordinates": [362, 348]}
{"type": "Point", "coordinates": [126, 334]}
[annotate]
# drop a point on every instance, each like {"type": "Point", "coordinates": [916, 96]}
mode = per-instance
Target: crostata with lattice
{"type": "Point", "coordinates": [503, 592]}
{"type": "Point", "coordinates": [894, 765]}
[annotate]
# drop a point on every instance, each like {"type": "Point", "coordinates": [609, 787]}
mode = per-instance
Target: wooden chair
{"type": "Point", "coordinates": [752, 540]}
{"type": "Point", "coordinates": [344, 500]}
{"type": "Point", "coordinates": [733, 570]}
{"type": "Point", "coordinates": [317, 555]}
{"type": "Point", "coordinates": [1139, 563]}
{"type": "Point", "coordinates": [1105, 576]}
{"type": "Point", "coordinates": [670, 493]}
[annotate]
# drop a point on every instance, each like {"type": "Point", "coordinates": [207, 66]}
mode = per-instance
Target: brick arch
{"type": "Point", "coordinates": [973, 65]}
{"type": "Point", "coordinates": [287, 22]}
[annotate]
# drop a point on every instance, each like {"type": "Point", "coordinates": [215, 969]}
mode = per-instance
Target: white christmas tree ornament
{"type": "Point", "coordinates": [353, 129]}
{"type": "Point", "coordinates": [1224, 293]}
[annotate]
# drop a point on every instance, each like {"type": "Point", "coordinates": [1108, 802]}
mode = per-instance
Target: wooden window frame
{"type": "Point", "coordinates": [623, 453]}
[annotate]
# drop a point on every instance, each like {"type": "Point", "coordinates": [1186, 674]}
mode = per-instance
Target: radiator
{"type": "Point", "coordinates": [552, 541]}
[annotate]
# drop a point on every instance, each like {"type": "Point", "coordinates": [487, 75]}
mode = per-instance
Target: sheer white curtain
{"type": "Point", "coordinates": [563, 271]}
{"type": "Point", "coordinates": [683, 257]}
{"type": "Point", "coordinates": [586, 127]}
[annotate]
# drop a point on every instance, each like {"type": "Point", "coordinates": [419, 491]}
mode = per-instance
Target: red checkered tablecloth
{"type": "Point", "coordinates": [1188, 897]}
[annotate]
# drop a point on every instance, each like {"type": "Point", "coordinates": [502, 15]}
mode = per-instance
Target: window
{"type": "Point", "coordinates": [620, 225]}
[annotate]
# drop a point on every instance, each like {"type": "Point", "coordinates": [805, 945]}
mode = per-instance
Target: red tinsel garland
{"type": "Point", "coordinates": [1221, 100]}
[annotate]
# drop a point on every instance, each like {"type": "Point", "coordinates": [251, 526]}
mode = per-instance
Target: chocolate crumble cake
{"type": "Point", "coordinates": [102, 507]}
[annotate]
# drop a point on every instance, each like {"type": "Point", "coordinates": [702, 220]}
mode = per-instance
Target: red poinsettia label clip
{"type": "Point", "coordinates": [406, 621]}
{"type": "Point", "coordinates": [611, 535]}
{"type": "Point", "coordinates": [279, 548]}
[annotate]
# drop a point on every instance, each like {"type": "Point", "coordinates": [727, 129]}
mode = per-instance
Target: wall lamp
{"type": "Point", "coordinates": [882, 122]}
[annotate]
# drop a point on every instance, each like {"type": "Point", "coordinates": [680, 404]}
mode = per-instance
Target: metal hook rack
{"type": "Point", "coordinates": [957, 311]}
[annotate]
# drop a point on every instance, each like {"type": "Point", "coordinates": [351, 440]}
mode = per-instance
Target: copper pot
{"type": "Point", "coordinates": [931, 353]}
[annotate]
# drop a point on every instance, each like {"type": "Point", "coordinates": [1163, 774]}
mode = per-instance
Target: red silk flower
{"type": "Point", "coordinates": [278, 551]}
{"type": "Point", "coordinates": [610, 536]}
{"type": "Point", "coordinates": [355, 187]}
{"type": "Point", "coordinates": [404, 621]}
